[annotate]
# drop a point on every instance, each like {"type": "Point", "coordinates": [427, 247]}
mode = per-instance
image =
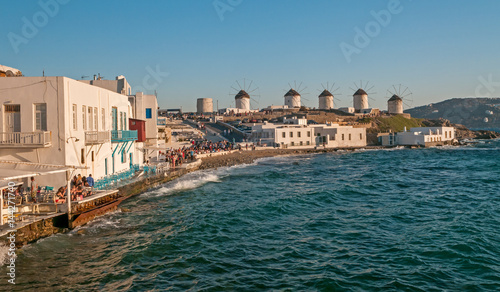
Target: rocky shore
{"type": "Point", "coordinates": [247, 157]}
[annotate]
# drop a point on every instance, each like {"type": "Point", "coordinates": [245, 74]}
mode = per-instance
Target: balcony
{"type": "Point", "coordinates": [96, 137]}
{"type": "Point", "coordinates": [25, 139]}
{"type": "Point", "coordinates": [123, 136]}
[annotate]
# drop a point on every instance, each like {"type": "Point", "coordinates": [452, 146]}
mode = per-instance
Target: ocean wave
{"type": "Point", "coordinates": [187, 182]}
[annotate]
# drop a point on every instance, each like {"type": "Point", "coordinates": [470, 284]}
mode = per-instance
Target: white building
{"type": "Point", "coordinates": [204, 106]}
{"type": "Point", "coordinates": [360, 100]}
{"type": "Point", "coordinates": [292, 99]}
{"type": "Point", "coordinates": [242, 101]}
{"type": "Point", "coordinates": [425, 136]}
{"type": "Point", "coordinates": [65, 122]}
{"type": "Point", "coordinates": [395, 105]}
{"type": "Point", "coordinates": [347, 109]}
{"type": "Point", "coordinates": [325, 100]}
{"type": "Point", "coordinates": [276, 108]}
{"type": "Point", "coordinates": [296, 133]}
{"type": "Point", "coordinates": [145, 108]}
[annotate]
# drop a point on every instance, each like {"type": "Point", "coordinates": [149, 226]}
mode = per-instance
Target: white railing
{"type": "Point", "coordinates": [26, 139]}
{"type": "Point", "coordinates": [97, 137]}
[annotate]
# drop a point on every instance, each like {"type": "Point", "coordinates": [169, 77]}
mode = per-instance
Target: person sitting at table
{"type": "Point", "coordinates": [79, 192]}
{"type": "Point", "coordinates": [84, 181]}
{"type": "Point", "coordinates": [61, 195]}
{"type": "Point", "coordinates": [73, 193]}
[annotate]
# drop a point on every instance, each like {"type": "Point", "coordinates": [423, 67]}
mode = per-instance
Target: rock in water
{"type": "Point", "coordinates": [125, 210]}
{"type": "Point", "coordinates": [82, 231]}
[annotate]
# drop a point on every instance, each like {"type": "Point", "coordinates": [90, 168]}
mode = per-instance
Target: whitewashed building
{"type": "Point", "coordinates": [422, 136]}
{"type": "Point", "coordinates": [296, 133]}
{"type": "Point", "coordinates": [65, 122]}
{"type": "Point", "coordinates": [145, 108]}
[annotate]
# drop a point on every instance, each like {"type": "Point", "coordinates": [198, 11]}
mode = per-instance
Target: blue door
{"type": "Point", "coordinates": [131, 160]}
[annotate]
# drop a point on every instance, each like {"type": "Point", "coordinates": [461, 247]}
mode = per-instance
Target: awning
{"type": "Point", "coordinates": [12, 170]}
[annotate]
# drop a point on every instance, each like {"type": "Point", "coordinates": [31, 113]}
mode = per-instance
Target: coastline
{"type": "Point", "coordinates": [45, 228]}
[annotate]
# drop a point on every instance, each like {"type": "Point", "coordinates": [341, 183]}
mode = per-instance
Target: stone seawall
{"type": "Point", "coordinates": [39, 229]}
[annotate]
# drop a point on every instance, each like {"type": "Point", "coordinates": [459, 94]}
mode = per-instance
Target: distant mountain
{"type": "Point", "coordinates": [474, 113]}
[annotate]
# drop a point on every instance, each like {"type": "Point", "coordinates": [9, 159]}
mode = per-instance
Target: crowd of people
{"type": "Point", "coordinates": [80, 187]}
{"type": "Point", "coordinates": [176, 157]}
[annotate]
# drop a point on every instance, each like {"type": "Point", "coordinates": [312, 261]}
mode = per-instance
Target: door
{"type": "Point", "coordinates": [13, 118]}
{"type": "Point", "coordinates": [12, 123]}
{"type": "Point", "coordinates": [114, 118]}
{"type": "Point", "coordinates": [106, 166]}
{"type": "Point", "coordinates": [131, 161]}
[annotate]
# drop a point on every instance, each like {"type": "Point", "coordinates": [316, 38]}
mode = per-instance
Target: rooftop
{"type": "Point", "coordinates": [292, 92]}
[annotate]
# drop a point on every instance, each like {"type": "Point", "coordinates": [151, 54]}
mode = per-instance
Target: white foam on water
{"type": "Point", "coordinates": [102, 222]}
{"type": "Point", "coordinates": [4, 257]}
{"type": "Point", "coordinates": [187, 182]}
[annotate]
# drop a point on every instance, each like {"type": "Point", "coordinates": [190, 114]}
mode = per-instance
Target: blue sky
{"type": "Point", "coordinates": [439, 49]}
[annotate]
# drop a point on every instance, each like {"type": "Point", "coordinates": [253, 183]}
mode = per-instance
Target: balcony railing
{"type": "Point", "coordinates": [122, 136]}
{"type": "Point", "coordinates": [97, 137]}
{"type": "Point", "coordinates": [25, 139]}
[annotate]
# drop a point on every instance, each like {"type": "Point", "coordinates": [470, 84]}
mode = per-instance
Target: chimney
{"type": "Point", "coordinates": [95, 77]}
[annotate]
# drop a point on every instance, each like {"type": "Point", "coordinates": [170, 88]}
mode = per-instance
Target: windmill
{"type": "Point", "coordinates": [397, 96]}
{"type": "Point", "coordinates": [293, 96]}
{"type": "Point", "coordinates": [244, 92]}
{"type": "Point", "coordinates": [360, 96]}
{"type": "Point", "coordinates": [326, 97]}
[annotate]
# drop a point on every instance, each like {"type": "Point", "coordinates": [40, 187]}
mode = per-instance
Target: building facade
{"type": "Point", "coordinates": [61, 121]}
{"type": "Point", "coordinates": [422, 136]}
{"type": "Point", "coordinates": [296, 133]}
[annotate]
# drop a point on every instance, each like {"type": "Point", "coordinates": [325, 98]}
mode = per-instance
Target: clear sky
{"type": "Point", "coordinates": [439, 49]}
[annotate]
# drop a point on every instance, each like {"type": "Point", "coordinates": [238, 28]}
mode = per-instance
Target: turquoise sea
{"type": "Point", "coordinates": [373, 220]}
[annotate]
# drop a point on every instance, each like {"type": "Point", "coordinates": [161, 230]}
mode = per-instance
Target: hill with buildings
{"type": "Point", "coordinates": [474, 113]}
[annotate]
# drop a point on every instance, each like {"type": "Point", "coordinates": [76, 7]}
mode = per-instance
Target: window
{"type": "Point", "coordinates": [308, 134]}
{"type": "Point", "coordinates": [92, 156]}
{"type": "Point", "coordinates": [342, 137]}
{"type": "Point", "coordinates": [124, 121]}
{"type": "Point", "coordinates": [41, 117]}
{"type": "Point", "coordinates": [121, 120]}
{"type": "Point", "coordinates": [284, 135]}
{"type": "Point", "coordinates": [293, 143]}
{"type": "Point", "coordinates": [307, 143]}
{"type": "Point", "coordinates": [84, 117]}
{"type": "Point", "coordinates": [291, 134]}
{"type": "Point", "coordinates": [83, 156]}
{"type": "Point", "coordinates": [301, 143]}
{"type": "Point", "coordinates": [349, 137]}
{"type": "Point", "coordinates": [360, 136]}
{"type": "Point", "coordinates": [75, 117]}
{"type": "Point", "coordinates": [96, 124]}
{"type": "Point", "coordinates": [298, 134]}
{"type": "Point", "coordinates": [103, 119]}
{"type": "Point", "coordinates": [445, 134]}
{"type": "Point", "coordinates": [149, 113]}
{"type": "Point", "coordinates": [124, 156]}
{"type": "Point", "coordinates": [91, 124]}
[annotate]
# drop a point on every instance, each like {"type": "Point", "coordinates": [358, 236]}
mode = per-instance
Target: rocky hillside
{"type": "Point", "coordinates": [475, 113]}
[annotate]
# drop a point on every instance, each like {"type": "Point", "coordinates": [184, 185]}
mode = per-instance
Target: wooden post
{"type": "Point", "coordinates": [68, 195]}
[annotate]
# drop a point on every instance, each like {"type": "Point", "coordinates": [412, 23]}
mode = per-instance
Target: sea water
{"type": "Point", "coordinates": [399, 219]}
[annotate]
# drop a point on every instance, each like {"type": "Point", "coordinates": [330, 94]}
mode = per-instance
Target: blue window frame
{"type": "Point", "coordinates": [149, 113]}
